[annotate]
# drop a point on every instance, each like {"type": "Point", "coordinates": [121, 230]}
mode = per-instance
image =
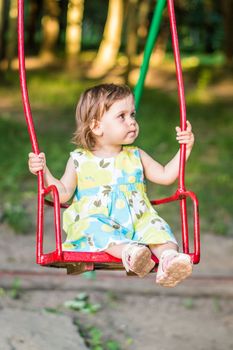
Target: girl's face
{"type": "Point", "coordinates": [118, 125]}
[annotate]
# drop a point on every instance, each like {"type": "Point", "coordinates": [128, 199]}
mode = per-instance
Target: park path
{"type": "Point", "coordinates": [135, 312]}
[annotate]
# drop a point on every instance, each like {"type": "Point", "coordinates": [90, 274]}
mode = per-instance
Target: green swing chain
{"type": "Point", "coordinates": [152, 37]}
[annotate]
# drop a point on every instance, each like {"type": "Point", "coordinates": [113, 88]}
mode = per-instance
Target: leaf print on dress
{"type": "Point", "coordinates": [104, 165]}
{"type": "Point", "coordinates": [107, 190]}
{"type": "Point", "coordinates": [139, 215]}
{"type": "Point", "coordinates": [76, 163]}
{"type": "Point", "coordinates": [97, 203]}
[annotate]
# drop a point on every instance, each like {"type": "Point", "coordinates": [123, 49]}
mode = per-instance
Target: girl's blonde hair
{"type": "Point", "coordinates": [92, 104]}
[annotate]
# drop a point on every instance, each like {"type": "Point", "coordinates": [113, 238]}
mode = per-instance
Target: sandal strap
{"type": "Point", "coordinates": [128, 251]}
{"type": "Point", "coordinates": [171, 253]}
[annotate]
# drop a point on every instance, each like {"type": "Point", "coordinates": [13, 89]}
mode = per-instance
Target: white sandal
{"type": "Point", "coordinates": [173, 268]}
{"type": "Point", "coordinates": [137, 258]}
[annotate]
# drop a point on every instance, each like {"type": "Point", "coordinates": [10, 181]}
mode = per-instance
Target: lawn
{"type": "Point", "coordinates": [53, 95]}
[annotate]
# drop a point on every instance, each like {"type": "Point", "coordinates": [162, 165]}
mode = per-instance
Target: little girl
{"type": "Point", "coordinates": [111, 211]}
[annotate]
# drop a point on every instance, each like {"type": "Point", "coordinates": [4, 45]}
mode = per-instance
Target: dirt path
{"type": "Point", "coordinates": [134, 321]}
{"type": "Point", "coordinates": [135, 313]}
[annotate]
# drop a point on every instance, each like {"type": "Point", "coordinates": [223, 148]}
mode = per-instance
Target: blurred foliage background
{"type": "Point", "coordinates": [73, 44]}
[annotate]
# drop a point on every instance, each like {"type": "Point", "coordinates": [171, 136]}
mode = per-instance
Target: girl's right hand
{"type": "Point", "coordinates": [36, 162]}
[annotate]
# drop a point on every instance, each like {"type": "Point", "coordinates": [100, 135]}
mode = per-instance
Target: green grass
{"type": "Point", "coordinates": [209, 169]}
{"type": "Point", "coordinates": [53, 98]}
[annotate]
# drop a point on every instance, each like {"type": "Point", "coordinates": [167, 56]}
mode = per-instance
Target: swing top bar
{"type": "Point", "coordinates": [76, 262]}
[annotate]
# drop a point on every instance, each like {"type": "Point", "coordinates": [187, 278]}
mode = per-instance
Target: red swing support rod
{"type": "Point", "coordinates": [182, 194]}
{"type": "Point", "coordinates": [58, 256]}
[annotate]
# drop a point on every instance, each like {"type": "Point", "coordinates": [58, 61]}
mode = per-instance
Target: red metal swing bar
{"type": "Point", "coordinates": [79, 261]}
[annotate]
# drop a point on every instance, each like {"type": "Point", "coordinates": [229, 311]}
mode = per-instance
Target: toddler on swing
{"type": "Point", "coordinates": [105, 175]}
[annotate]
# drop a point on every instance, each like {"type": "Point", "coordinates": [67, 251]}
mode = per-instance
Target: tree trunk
{"type": "Point", "coordinates": [74, 27]}
{"type": "Point", "coordinates": [110, 45]}
{"type": "Point", "coordinates": [143, 20]}
{"type": "Point", "coordinates": [50, 28]}
{"type": "Point", "coordinates": [74, 32]}
{"type": "Point", "coordinates": [146, 15]}
{"type": "Point", "coordinates": [131, 34]}
{"type": "Point", "coordinates": [1, 27]}
{"type": "Point", "coordinates": [11, 47]}
{"type": "Point", "coordinates": [227, 6]}
{"type": "Point", "coordinates": [33, 13]}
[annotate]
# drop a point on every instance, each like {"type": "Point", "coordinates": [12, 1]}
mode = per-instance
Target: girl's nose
{"type": "Point", "coordinates": [132, 121]}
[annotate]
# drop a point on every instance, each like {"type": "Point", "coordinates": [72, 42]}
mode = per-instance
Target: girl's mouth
{"type": "Point", "coordinates": [132, 133]}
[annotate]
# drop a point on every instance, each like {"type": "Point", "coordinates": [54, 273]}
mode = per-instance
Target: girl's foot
{"type": "Point", "coordinates": [137, 258]}
{"type": "Point", "coordinates": [173, 268]}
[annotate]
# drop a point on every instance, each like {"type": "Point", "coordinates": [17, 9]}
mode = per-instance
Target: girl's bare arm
{"type": "Point", "coordinates": [166, 175]}
{"type": "Point", "coordinates": [66, 185]}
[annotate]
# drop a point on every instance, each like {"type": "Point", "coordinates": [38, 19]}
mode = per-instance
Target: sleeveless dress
{"type": "Point", "coordinates": [110, 204]}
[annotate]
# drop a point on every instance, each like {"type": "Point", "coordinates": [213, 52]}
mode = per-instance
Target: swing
{"type": "Point", "coordinates": [78, 262]}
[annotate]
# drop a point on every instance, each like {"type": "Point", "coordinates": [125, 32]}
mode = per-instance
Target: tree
{"type": "Point", "coordinates": [50, 29]}
{"type": "Point", "coordinates": [1, 26]}
{"type": "Point", "coordinates": [11, 44]}
{"type": "Point", "coordinates": [227, 7]}
{"type": "Point", "coordinates": [131, 34]}
{"type": "Point", "coordinates": [74, 27]}
{"type": "Point", "coordinates": [33, 16]}
{"type": "Point", "coordinates": [110, 45]}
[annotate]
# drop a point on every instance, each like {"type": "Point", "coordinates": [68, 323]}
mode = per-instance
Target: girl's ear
{"type": "Point", "coordinates": [95, 127]}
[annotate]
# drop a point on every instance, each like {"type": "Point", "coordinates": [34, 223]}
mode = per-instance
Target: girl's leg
{"type": "Point", "coordinates": [116, 250]}
{"type": "Point", "coordinates": [135, 257]}
{"type": "Point", "coordinates": [158, 249]}
{"type": "Point", "coordinates": [173, 266]}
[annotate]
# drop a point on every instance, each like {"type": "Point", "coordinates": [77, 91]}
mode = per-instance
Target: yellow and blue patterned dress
{"type": "Point", "coordinates": [110, 204]}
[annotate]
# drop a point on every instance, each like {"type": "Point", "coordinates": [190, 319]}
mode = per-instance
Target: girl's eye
{"type": "Point", "coordinates": [121, 116]}
{"type": "Point", "coordinates": [133, 115]}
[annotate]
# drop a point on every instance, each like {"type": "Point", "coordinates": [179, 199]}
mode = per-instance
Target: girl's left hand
{"type": "Point", "coordinates": [185, 137]}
